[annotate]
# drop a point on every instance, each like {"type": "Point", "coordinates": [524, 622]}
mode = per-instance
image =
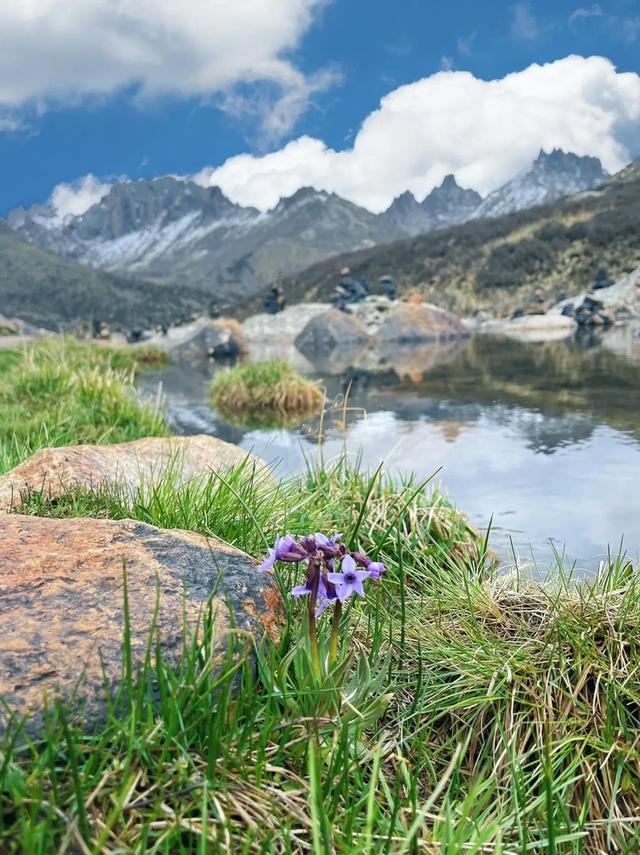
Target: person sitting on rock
{"type": "Point", "coordinates": [387, 286]}
{"type": "Point", "coordinates": [275, 301]}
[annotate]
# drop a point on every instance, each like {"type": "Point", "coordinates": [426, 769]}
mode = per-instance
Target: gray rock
{"type": "Point", "coordinates": [421, 322]}
{"type": "Point", "coordinates": [332, 330]}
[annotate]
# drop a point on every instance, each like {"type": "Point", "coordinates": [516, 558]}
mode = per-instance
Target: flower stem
{"type": "Point", "coordinates": [313, 629]}
{"type": "Point", "coordinates": [335, 632]}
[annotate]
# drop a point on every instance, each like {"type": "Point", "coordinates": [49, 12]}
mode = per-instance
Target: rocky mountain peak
{"type": "Point", "coordinates": [551, 175]}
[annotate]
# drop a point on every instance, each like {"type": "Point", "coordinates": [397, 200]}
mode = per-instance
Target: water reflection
{"type": "Point", "coordinates": [545, 438]}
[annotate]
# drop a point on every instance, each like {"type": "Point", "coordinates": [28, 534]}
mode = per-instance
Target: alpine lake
{"type": "Point", "coordinates": [539, 441]}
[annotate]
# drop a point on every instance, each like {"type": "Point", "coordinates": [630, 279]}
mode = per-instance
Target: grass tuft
{"type": "Point", "coordinates": [265, 393]}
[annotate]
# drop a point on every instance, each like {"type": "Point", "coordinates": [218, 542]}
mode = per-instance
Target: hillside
{"type": "Point", "coordinates": [499, 264]}
{"type": "Point", "coordinates": [194, 239]}
{"type": "Point", "coordinates": [53, 292]}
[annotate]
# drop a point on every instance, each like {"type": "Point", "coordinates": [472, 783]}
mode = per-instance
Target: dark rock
{"type": "Point", "coordinates": [568, 310]}
{"type": "Point", "coordinates": [518, 313]}
{"type": "Point", "coordinates": [217, 339]}
{"type": "Point", "coordinates": [591, 304]}
{"type": "Point", "coordinates": [62, 605]}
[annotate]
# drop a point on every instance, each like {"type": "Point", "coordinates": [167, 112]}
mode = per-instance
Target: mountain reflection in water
{"type": "Point", "coordinates": [544, 438]}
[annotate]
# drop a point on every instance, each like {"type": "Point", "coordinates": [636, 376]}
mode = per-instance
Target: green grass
{"type": "Point", "coordinates": [265, 394]}
{"type": "Point", "coordinates": [470, 712]}
{"type": "Point", "coordinates": [61, 393]}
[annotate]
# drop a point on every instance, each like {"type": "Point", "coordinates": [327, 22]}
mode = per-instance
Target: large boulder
{"type": "Point", "coordinates": [129, 466]}
{"type": "Point", "coordinates": [422, 322]}
{"type": "Point", "coordinates": [282, 328]}
{"type": "Point", "coordinates": [330, 330]}
{"type": "Point", "coordinates": [62, 604]}
{"type": "Point", "coordinates": [205, 338]}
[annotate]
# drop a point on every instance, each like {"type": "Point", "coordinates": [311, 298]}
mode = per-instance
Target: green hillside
{"type": "Point", "coordinates": [53, 292]}
{"type": "Point", "coordinates": [499, 264]}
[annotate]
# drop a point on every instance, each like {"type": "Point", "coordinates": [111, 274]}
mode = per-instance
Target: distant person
{"type": "Point", "coordinates": [388, 287]}
{"type": "Point", "coordinates": [602, 280]}
{"type": "Point", "coordinates": [275, 301]}
{"type": "Point", "coordinates": [354, 290]}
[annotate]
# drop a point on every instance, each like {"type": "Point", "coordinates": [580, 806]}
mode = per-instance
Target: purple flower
{"type": "Point", "coordinates": [350, 580]}
{"type": "Point", "coordinates": [376, 569]}
{"type": "Point", "coordinates": [300, 591]}
{"type": "Point", "coordinates": [287, 549]}
{"type": "Point", "coordinates": [329, 546]}
{"type": "Point", "coordinates": [268, 562]}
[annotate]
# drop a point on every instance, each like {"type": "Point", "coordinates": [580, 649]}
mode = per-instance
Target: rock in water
{"type": "Point", "coordinates": [330, 330]}
{"type": "Point", "coordinates": [128, 466]}
{"type": "Point", "coordinates": [62, 604]}
{"type": "Point", "coordinates": [419, 323]}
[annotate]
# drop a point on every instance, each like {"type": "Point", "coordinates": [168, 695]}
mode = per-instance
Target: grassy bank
{"type": "Point", "coordinates": [61, 393]}
{"type": "Point", "coordinates": [474, 713]}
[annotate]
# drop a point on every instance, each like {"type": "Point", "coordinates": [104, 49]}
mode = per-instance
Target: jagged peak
{"type": "Point", "coordinates": [449, 182]}
{"type": "Point", "coordinates": [403, 201]}
{"type": "Point", "coordinates": [302, 194]}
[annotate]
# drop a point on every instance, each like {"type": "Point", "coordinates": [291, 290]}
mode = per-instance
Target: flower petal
{"type": "Point", "coordinates": [268, 562]}
{"type": "Point", "coordinates": [300, 591]}
{"type": "Point", "coordinates": [348, 564]}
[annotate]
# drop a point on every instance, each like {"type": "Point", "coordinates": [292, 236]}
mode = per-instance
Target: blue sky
{"type": "Point", "coordinates": [349, 53]}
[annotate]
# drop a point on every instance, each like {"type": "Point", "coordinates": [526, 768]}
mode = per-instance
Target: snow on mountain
{"type": "Point", "coordinates": [446, 205]}
{"type": "Point", "coordinates": [176, 232]}
{"type": "Point", "coordinates": [550, 177]}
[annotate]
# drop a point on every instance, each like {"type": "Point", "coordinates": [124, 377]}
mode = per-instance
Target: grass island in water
{"type": "Point", "coordinates": [265, 394]}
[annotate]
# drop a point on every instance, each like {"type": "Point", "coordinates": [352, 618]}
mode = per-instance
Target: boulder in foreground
{"type": "Point", "coordinates": [62, 599]}
{"type": "Point", "coordinates": [54, 472]}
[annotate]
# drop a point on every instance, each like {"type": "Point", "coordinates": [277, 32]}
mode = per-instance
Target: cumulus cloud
{"type": "Point", "coordinates": [452, 122]}
{"type": "Point", "coordinates": [64, 50]}
{"type": "Point", "coordinates": [76, 198]}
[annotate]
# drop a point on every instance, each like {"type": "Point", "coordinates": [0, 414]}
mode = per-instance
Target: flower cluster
{"type": "Point", "coordinates": [333, 573]}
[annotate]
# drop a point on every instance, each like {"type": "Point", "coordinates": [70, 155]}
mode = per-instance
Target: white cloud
{"type": "Point", "coordinates": [64, 50]}
{"type": "Point", "coordinates": [465, 44]}
{"type": "Point", "coordinates": [524, 25]}
{"type": "Point", "coordinates": [583, 12]}
{"type": "Point", "coordinates": [76, 198]}
{"type": "Point", "coordinates": [482, 131]}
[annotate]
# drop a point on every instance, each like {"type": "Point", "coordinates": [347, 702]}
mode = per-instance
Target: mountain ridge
{"type": "Point", "coordinates": [199, 248]}
{"type": "Point", "coordinates": [500, 264]}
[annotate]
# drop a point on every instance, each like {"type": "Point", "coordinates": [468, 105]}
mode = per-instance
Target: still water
{"type": "Point", "coordinates": [544, 439]}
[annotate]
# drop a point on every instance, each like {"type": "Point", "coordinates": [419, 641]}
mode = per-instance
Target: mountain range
{"type": "Point", "coordinates": [500, 264]}
{"type": "Point", "coordinates": [197, 247]}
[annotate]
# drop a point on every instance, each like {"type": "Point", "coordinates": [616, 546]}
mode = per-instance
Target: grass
{"type": "Point", "coordinates": [62, 393]}
{"type": "Point", "coordinates": [471, 712]}
{"type": "Point", "coordinates": [265, 394]}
